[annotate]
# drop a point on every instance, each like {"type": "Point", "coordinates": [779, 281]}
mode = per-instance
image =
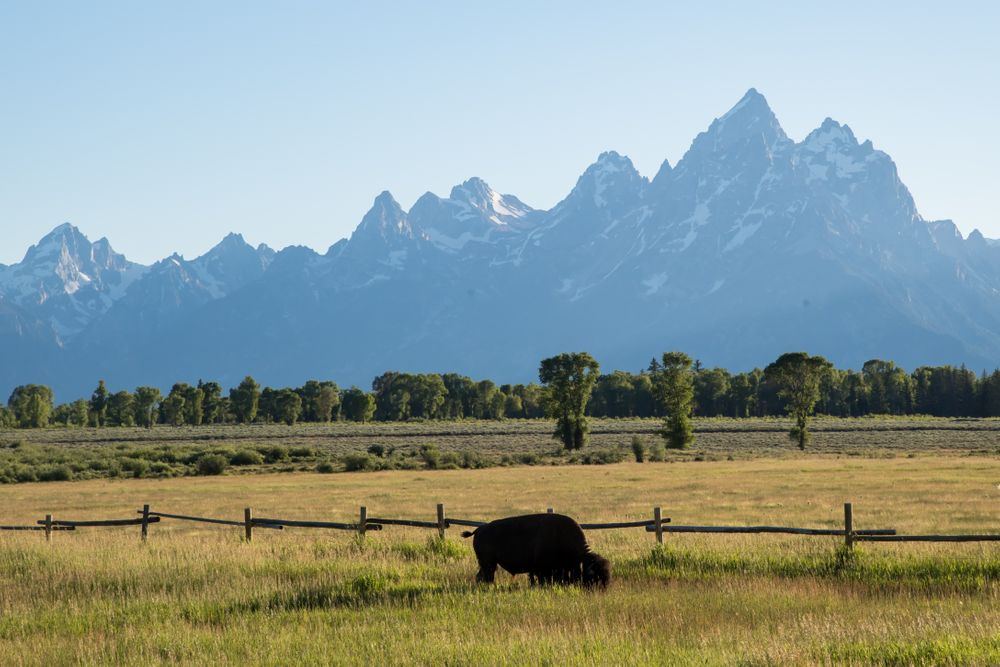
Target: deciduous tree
{"type": "Point", "coordinates": [147, 401]}
{"type": "Point", "coordinates": [99, 405]}
{"type": "Point", "coordinates": [673, 384]}
{"type": "Point", "coordinates": [798, 377]}
{"type": "Point", "coordinates": [245, 399]}
{"type": "Point", "coordinates": [357, 405]}
{"type": "Point", "coordinates": [31, 405]}
{"type": "Point", "coordinates": [568, 380]}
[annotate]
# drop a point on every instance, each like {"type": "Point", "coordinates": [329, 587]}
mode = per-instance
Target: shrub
{"type": "Point", "coordinates": [56, 474]}
{"type": "Point", "coordinates": [430, 455]}
{"type": "Point", "coordinates": [138, 467]}
{"type": "Point", "coordinates": [212, 464]}
{"type": "Point", "coordinates": [357, 462]}
{"type": "Point", "coordinates": [302, 452]}
{"type": "Point", "coordinates": [471, 459]}
{"type": "Point", "coordinates": [449, 461]}
{"type": "Point", "coordinates": [167, 456]}
{"type": "Point", "coordinates": [401, 463]}
{"type": "Point", "coordinates": [658, 452]}
{"type": "Point", "coordinates": [377, 450]}
{"type": "Point", "coordinates": [246, 457]}
{"type": "Point", "coordinates": [275, 454]}
{"type": "Point", "coordinates": [161, 469]}
{"type": "Point", "coordinates": [326, 467]}
{"type": "Point", "coordinates": [192, 457]}
{"type": "Point", "coordinates": [638, 449]}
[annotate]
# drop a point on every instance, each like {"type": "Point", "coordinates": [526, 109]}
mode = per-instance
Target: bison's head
{"type": "Point", "coordinates": [596, 571]}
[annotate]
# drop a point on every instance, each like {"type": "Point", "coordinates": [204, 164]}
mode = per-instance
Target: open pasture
{"type": "Point", "coordinates": [196, 593]}
{"type": "Point", "coordinates": [166, 451]}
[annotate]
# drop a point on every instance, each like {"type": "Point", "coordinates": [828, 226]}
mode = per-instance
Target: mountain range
{"type": "Point", "coordinates": [750, 246]}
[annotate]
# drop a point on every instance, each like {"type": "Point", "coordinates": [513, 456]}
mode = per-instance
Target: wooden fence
{"type": "Point", "coordinates": [658, 524]}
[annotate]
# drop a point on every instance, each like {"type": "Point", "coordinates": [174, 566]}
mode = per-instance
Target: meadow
{"type": "Point", "coordinates": [61, 454]}
{"type": "Point", "coordinates": [198, 594]}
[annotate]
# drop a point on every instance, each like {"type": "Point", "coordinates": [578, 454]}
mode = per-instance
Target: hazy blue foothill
{"type": "Point", "coordinates": [750, 246]}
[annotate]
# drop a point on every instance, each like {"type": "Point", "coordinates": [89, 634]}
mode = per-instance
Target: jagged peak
{"type": "Point", "coordinates": [64, 228]}
{"type": "Point", "coordinates": [385, 215]}
{"type": "Point", "coordinates": [385, 207]}
{"type": "Point", "coordinates": [477, 193]}
{"type": "Point", "coordinates": [663, 172]}
{"type": "Point", "coordinates": [230, 241]}
{"type": "Point", "coordinates": [947, 226]}
{"type": "Point", "coordinates": [977, 239]}
{"type": "Point", "coordinates": [830, 134]}
{"type": "Point", "coordinates": [607, 165]}
{"type": "Point", "coordinates": [62, 232]}
{"type": "Point", "coordinates": [751, 102]}
{"type": "Point", "coordinates": [473, 188]}
{"type": "Point", "coordinates": [750, 117]}
{"type": "Point", "coordinates": [425, 199]}
{"type": "Point", "coordinates": [232, 244]}
{"type": "Point", "coordinates": [64, 240]}
{"type": "Point", "coordinates": [613, 161]}
{"type": "Point", "coordinates": [612, 171]}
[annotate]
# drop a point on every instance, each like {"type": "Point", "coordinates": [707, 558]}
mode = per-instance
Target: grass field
{"type": "Point", "coordinates": [198, 594]}
{"type": "Point", "coordinates": [164, 451]}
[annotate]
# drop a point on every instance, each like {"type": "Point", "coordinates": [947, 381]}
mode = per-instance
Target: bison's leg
{"type": "Point", "coordinates": [487, 571]}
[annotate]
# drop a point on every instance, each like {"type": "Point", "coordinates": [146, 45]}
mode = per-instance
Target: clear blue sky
{"type": "Point", "coordinates": [165, 125]}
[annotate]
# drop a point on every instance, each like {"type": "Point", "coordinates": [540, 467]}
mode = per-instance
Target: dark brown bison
{"type": "Point", "coordinates": [550, 548]}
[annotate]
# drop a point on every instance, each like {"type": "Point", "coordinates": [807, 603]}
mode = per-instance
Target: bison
{"type": "Point", "coordinates": [551, 548]}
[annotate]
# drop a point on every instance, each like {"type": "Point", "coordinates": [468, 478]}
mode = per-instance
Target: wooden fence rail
{"type": "Point", "coordinates": [101, 523]}
{"type": "Point", "coordinates": [267, 523]}
{"type": "Point", "coordinates": [202, 519]}
{"type": "Point", "coordinates": [925, 538]}
{"type": "Point", "coordinates": [648, 525]}
{"type": "Point", "coordinates": [407, 522]}
{"type": "Point", "coordinates": [659, 525]}
{"type": "Point", "coordinates": [464, 522]}
{"type": "Point", "coordinates": [770, 529]}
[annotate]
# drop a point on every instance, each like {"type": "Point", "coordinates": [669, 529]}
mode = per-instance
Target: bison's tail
{"type": "Point", "coordinates": [469, 533]}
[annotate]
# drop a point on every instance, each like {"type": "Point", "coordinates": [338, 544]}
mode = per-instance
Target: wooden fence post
{"type": "Point", "coordinates": [441, 522]}
{"type": "Point", "coordinates": [658, 524]}
{"type": "Point", "coordinates": [48, 527]}
{"type": "Point", "coordinates": [248, 523]}
{"type": "Point", "coordinates": [848, 526]}
{"type": "Point", "coordinates": [362, 520]}
{"type": "Point", "coordinates": [145, 522]}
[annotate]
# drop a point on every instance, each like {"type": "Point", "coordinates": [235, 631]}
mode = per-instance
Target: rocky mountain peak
{"type": "Point", "coordinates": [496, 208]}
{"type": "Point", "coordinates": [612, 180]}
{"type": "Point", "coordinates": [749, 120]}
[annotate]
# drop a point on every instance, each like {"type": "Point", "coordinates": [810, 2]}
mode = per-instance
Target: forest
{"type": "Point", "coordinates": [880, 387]}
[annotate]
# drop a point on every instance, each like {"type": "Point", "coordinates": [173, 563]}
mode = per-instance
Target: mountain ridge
{"type": "Point", "coordinates": [750, 245]}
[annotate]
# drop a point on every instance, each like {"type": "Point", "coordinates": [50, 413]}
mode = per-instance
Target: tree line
{"type": "Point", "coordinates": [880, 387]}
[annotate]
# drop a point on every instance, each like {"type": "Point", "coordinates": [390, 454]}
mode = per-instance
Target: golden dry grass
{"type": "Point", "coordinates": [197, 594]}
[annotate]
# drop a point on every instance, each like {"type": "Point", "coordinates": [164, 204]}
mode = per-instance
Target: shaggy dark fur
{"type": "Point", "coordinates": [551, 548]}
